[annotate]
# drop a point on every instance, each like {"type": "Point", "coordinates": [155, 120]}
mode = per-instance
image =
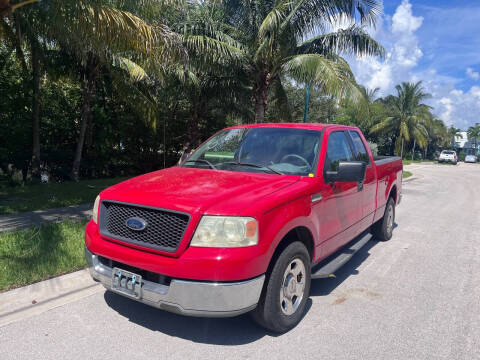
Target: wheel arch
{"type": "Point", "coordinates": [299, 233]}
{"type": "Point", "coordinates": [393, 193]}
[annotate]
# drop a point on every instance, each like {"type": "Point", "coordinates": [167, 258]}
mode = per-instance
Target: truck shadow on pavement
{"type": "Point", "coordinates": [228, 331]}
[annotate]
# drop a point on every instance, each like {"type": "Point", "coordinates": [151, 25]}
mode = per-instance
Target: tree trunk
{"type": "Point", "coordinates": [89, 79]}
{"type": "Point", "coordinates": [413, 151]}
{"type": "Point", "coordinates": [260, 98]}
{"type": "Point", "coordinates": [401, 152]}
{"type": "Point", "coordinates": [193, 131]}
{"type": "Point", "coordinates": [36, 109]}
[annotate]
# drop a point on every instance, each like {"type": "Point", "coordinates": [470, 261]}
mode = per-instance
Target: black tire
{"type": "Point", "coordinates": [269, 313]}
{"type": "Point", "coordinates": [383, 229]}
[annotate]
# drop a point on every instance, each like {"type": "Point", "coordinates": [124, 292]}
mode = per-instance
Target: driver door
{"type": "Point", "coordinates": [340, 210]}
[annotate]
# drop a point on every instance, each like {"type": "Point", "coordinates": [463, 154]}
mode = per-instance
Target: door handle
{"type": "Point", "coordinates": [316, 198]}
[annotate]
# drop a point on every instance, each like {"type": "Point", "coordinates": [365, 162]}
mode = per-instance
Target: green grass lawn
{"type": "Point", "coordinates": [32, 255]}
{"type": "Point", "coordinates": [47, 196]}
{"type": "Point", "coordinates": [407, 174]}
{"type": "Point", "coordinates": [410, 162]}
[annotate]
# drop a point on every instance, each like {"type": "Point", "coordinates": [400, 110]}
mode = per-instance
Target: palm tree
{"type": "Point", "coordinates": [474, 134]}
{"type": "Point", "coordinates": [95, 33]}
{"type": "Point", "coordinates": [271, 43]}
{"type": "Point", "coordinates": [437, 134]}
{"type": "Point", "coordinates": [407, 116]}
{"type": "Point", "coordinates": [454, 134]}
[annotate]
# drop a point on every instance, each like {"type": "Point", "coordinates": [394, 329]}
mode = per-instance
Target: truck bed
{"type": "Point", "coordinates": [381, 160]}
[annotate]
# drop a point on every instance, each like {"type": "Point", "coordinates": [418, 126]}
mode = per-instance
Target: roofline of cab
{"type": "Point", "coordinates": [305, 126]}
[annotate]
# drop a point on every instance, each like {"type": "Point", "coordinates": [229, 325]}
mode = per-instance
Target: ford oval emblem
{"type": "Point", "coordinates": [136, 224]}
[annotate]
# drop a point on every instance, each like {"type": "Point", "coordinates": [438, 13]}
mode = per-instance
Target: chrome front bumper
{"type": "Point", "coordinates": [194, 298]}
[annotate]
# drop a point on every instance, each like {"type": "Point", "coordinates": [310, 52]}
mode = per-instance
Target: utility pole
{"type": "Point", "coordinates": [307, 101]}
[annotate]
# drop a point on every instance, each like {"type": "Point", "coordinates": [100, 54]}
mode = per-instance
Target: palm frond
{"type": "Point", "coordinates": [313, 15]}
{"type": "Point", "coordinates": [352, 41]}
{"type": "Point", "coordinates": [135, 71]}
{"type": "Point", "coordinates": [333, 75]}
{"type": "Point", "coordinates": [211, 49]}
{"type": "Point", "coordinates": [386, 125]}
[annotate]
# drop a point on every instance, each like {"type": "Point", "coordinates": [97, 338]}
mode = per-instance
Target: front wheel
{"type": "Point", "coordinates": [286, 291]}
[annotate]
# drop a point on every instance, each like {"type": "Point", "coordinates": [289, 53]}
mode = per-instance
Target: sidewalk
{"type": "Point", "coordinates": [39, 217]}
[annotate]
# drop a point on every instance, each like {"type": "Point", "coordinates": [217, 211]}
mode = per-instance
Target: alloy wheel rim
{"type": "Point", "coordinates": [293, 287]}
{"type": "Point", "coordinates": [390, 220]}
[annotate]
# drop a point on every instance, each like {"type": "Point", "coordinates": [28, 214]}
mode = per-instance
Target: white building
{"type": "Point", "coordinates": [461, 140]}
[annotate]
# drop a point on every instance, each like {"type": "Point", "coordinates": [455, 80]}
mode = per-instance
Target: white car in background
{"type": "Point", "coordinates": [471, 159]}
{"type": "Point", "coordinates": [448, 156]}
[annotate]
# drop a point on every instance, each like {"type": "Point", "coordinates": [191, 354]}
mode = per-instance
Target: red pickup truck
{"type": "Point", "coordinates": [245, 222]}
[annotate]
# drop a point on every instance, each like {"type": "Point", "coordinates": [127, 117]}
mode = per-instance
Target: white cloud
{"type": "Point", "coordinates": [472, 73]}
{"type": "Point", "coordinates": [403, 52]}
{"type": "Point", "coordinates": [399, 36]}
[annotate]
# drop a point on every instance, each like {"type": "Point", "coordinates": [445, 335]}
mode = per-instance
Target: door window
{"type": "Point", "coordinates": [338, 149]}
{"type": "Point", "coordinates": [362, 154]}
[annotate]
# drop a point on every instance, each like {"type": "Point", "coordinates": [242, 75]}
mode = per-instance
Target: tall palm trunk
{"type": "Point", "coordinates": [401, 152]}
{"type": "Point", "coordinates": [36, 109]}
{"type": "Point", "coordinates": [413, 151]}
{"type": "Point", "coordinates": [89, 82]}
{"type": "Point", "coordinates": [193, 128]}
{"type": "Point", "coordinates": [260, 97]}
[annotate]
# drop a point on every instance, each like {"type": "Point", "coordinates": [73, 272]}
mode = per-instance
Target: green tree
{"type": "Point", "coordinates": [407, 116]}
{"type": "Point", "coordinates": [95, 32]}
{"type": "Point", "coordinates": [454, 134]}
{"type": "Point", "coordinates": [474, 134]}
{"type": "Point", "coordinates": [271, 37]}
{"type": "Point", "coordinates": [437, 135]}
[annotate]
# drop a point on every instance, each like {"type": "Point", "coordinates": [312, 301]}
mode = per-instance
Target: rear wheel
{"type": "Point", "coordinates": [286, 291]}
{"type": "Point", "coordinates": [383, 229]}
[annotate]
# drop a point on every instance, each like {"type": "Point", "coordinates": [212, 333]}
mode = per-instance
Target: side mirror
{"type": "Point", "coordinates": [348, 171]}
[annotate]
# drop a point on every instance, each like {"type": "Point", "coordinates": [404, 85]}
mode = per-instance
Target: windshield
{"type": "Point", "coordinates": [448, 152]}
{"type": "Point", "coordinates": [271, 150]}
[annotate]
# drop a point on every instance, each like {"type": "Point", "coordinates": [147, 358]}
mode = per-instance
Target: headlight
{"type": "Point", "coordinates": [95, 210]}
{"type": "Point", "coordinates": [226, 232]}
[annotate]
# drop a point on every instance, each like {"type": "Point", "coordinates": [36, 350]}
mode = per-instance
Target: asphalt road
{"type": "Point", "coordinates": [414, 297]}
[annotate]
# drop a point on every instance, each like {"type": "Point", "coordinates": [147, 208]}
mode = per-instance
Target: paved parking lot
{"type": "Point", "coordinates": [415, 297]}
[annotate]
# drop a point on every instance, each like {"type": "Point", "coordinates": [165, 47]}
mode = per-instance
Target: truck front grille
{"type": "Point", "coordinates": [164, 230]}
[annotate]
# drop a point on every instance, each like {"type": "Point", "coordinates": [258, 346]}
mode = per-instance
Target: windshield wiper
{"type": "Point", "coordinates": [255, 166]}
{"type": "Point", "coordinates": [201, 161]}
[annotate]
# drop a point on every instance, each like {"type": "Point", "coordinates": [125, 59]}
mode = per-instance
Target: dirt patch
{"type": "Point", "coordinates": [363, 293]}
{"type": "Point", "coordinates": [357, 293]}
{"type": "Point", "coordinates": [339, 300]}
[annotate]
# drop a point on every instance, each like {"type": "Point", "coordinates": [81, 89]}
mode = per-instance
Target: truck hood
{"type": "Point", "coordinates": [192, 190]}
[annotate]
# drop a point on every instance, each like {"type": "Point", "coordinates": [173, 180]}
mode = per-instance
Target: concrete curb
{"type": "Point", "coordinates": [411, 178]}
{"type": "Point", "coordinates": [38, 298]}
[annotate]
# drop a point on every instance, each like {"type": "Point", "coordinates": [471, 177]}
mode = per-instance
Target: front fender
{"type": "Point", "coordinates": [280, 221]}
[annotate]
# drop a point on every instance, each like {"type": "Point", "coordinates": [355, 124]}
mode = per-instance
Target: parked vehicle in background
{"type": "Point", "coordinates": [245, 222]}
{"type": "Point", "coordinates": [471, 159]}
{"type": "Point", "coordinates": [448, 156]}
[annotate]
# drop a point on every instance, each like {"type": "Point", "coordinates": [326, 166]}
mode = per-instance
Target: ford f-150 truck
{"type": "Point", "coordinates": [245, 222]}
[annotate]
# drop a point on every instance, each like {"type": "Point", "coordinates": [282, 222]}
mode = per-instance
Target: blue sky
{"type": "Point", "coordinates": [436, 41]}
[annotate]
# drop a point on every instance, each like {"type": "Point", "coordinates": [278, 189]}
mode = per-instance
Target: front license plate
{"type": "Point", "coordinates": [127, 283]}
